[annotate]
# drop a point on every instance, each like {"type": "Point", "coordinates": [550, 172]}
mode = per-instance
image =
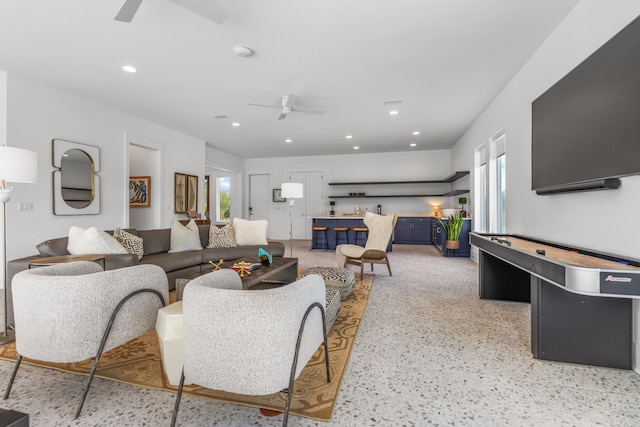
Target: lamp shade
{"type": "Point", "coordinates": [292, 190]}
{"type": "Point", "coordinates": [18, 164]}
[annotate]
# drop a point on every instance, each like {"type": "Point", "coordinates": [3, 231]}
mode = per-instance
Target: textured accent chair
{"type": "Point", "coordinates": [253, 342]}
{"type": "Point", "coordinates": [76, 311]}
{"type": "Point", "coordinates": [375, 250]}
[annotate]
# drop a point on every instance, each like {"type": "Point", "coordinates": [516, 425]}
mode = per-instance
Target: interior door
{"type": "Point", "coordinates": [259, 196]}
{"type": "Point", "coordinates": [310, 205]}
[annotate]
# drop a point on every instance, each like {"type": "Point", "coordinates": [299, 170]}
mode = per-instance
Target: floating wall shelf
{"type": "Point", "coordinates": [448, 180]}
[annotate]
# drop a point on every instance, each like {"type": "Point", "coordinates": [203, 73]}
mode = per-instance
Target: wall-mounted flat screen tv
{"type": "Point", "coordinates": [587, 126]}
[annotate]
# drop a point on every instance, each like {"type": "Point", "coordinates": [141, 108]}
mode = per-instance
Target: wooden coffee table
{"type": "Point", "coordinates": [281, 272]}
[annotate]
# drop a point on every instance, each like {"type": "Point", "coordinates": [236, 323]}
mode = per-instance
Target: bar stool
{"type": "Point", "coordinates": [339, 230]}
{"type": "Point", "coordinates": [325, 240]}
{"type": "Point", "coordinates": [357, 231]}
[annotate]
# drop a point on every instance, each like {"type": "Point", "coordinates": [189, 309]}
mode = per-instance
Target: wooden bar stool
{"type": "Point", "coordinates": [356, 233]}
{"type": "Point", "coordinates": [339, 230]}
{"type": "Point", "coordinates": [325, 240]}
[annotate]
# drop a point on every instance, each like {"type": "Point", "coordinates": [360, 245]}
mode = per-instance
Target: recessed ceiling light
{"type": "Point", "coordinates": [130, 69]}
{"type": "Point", "coordinates": [416, 132]}
{"type": "Point", "coordinates": [356, 148]}
{"type": "Point", "coordinates": [393, 112]}
{"type": "Point", "coordinates": [349, 136]}
{"type": "Point", "coordinates": [413, 144]}
{"type": "Point", "coordinates": [236, 124]}
{"type": "Point", "coordinates": [287, 140]}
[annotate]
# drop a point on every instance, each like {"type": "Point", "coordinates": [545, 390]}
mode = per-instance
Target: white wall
{"type": "Point", "coordinates": [601, 220]}
{"type": "Point", "coordinates": [362, 167]}
{"type": "Point", "coordinates": [37, 113]}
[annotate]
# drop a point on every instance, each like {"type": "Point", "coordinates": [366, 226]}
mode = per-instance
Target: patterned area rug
{"type": "Point", "coordinates": [138, 363]}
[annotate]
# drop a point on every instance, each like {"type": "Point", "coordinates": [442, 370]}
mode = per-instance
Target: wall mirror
{"type": "Point", "coordinates": [76, 187]}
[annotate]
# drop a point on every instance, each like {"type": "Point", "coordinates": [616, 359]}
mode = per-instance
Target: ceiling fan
{"type": "Point", "coordinates": [287, 108]}
{"type": "Point", "coordinates": [130, 7]}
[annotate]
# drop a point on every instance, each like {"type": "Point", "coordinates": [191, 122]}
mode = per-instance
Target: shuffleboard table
{"type": "Point", "coordinates": [581, 300]}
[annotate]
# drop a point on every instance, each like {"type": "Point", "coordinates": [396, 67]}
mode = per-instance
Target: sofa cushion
{"type": "Point", "coordinates": [221, 237]}
{"type": "Point", "coordinates": [132, 243]}
{"type": "Point", "coordinates": [174, 261]}
{"type": "Point", "coordinates": [250, 232]}
{"type": "Point", "coordinates": [92, 241]}
{"type": "Point", "coordinates": [184, 238]}
{"type": "Point", "coordinates": [156, 241]}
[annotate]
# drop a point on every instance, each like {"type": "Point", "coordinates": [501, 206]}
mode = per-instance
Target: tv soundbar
{"type": "Point", "coordinates": [598, 184]}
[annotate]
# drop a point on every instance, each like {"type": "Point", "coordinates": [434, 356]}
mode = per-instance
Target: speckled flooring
{"type": "Point", "coordinates": [429, 352]}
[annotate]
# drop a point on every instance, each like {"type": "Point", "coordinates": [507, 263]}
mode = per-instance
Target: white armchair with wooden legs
{"type": "Point", "coordinates": [375, 250]}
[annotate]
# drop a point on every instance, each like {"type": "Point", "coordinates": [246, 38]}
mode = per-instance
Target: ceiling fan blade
{"type": "Point", "coordinates": [268, 106]}
{"type": "Point", "coordinates": [128, 10]}
{"type": "Point", "coordinates": [300, 110]}
{"type": "Point", "coordinates": [282, 116]}
{"type": "Point", "coordinates": [288, 100]}
{"type": "Point", "coordinates": [203, 9]}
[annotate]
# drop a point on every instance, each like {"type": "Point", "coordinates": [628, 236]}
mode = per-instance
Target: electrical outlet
{"type": "Point", "coordinates": [25, 207]}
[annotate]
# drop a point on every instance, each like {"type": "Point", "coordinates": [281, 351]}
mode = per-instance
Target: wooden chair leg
{"type": "Point", "coordinates": [388, 266]}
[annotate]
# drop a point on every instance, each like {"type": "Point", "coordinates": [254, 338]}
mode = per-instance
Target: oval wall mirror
{"type": "Point", "coordinates": [76, 187]}
{"type": "Point", "coordinates": [76, 178]}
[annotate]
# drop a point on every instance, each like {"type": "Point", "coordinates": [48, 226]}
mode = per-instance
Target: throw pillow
{"type": "Point", "coordinates": [130, 242]}
{"type": "Point", "coordinates": [92, 241]}
{"type": "Point", "coordinates": [222, 237]}
{"type": "Point", "coordinates": [185, 238]}
{"type": "Point", "coordinates": [250, 232]}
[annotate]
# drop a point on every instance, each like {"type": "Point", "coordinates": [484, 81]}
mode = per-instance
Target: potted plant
{"type": "Point", "coordinates": [452, 229]}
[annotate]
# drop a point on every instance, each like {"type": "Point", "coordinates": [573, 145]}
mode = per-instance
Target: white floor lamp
{"type": "Point", "coordinates": [16, 165]}
{"type": "Point", "coordinates": [291, 191]}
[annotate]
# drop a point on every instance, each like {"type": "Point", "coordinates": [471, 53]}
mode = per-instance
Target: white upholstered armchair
{"type": "Point", "coordinates": [76, 311]}
{"type": "Point", "coordinates": [375, 249]}
{"type": "Point", "coordinates": [253, 342]}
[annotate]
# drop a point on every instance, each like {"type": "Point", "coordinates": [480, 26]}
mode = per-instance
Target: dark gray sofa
{"type": "Point", "coordinates": [156, 251]}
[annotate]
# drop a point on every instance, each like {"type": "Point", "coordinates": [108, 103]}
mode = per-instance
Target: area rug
{"type": "Point", "coordinates": [138, 363]}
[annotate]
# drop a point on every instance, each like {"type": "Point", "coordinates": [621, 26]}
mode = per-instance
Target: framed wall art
{"type": "Point", "coordinates": [277, 195]}
{"type": "Point", "coordinates": [139, 191]}
{"type": "Point", "coordinates": [185, 192]}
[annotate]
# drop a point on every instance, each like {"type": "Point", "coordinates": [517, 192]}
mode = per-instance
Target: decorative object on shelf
{"type": "Point", "coordinates": [452, 228]}
{"type": "Point", "coordinates": [277, 196]}
{"type": "Point", "coordinates": [436, 211]}
{"type": "Point", "coordinates": [139, 191]}
{"type": "Point", "coordinates": [291, 191]}
{"type": "Point", "coordinates": [217, 266]}
{"type": "Point", "coordinates": [332, 212]}
{"type": "Point", "coordinates": [242, 268]}
{"type": "Point", "coordinates": [76, 187]}
{"type": "Point", "coordinates": [16, 165]}
{"type": "Point", "coordinates": [185, 190]}
{"type": "Point", "coordinates": [265, 256]}
{"type": "Point", "coordinates": [462, 201]}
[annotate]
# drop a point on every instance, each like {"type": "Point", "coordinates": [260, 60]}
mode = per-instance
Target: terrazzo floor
{"type": "Point", "coordinates": [428, 352]}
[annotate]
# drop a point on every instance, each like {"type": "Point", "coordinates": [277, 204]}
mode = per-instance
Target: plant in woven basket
{"type": "Point", "coordinates": [452, 229]}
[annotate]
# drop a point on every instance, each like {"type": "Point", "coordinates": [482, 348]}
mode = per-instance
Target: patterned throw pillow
{"type": "Point", "coordinates": [132, 243]}
{"type": "Point", "coordinates": [222, 237]}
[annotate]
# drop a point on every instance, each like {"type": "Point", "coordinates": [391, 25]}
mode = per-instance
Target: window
{"type": "Point", "coordinates": [490, 186]}
{"type": "Point", "coordinates": [482, 197]}
{"type": "Point", "coordinates": [223, 198]}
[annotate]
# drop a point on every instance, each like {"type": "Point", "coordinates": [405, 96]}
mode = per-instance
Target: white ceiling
{"type": "Point", "coordinates": [445, 59]}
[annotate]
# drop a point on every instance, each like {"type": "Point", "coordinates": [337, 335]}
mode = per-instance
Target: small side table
{"type": "Point", "coordinates": [41, 262]}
